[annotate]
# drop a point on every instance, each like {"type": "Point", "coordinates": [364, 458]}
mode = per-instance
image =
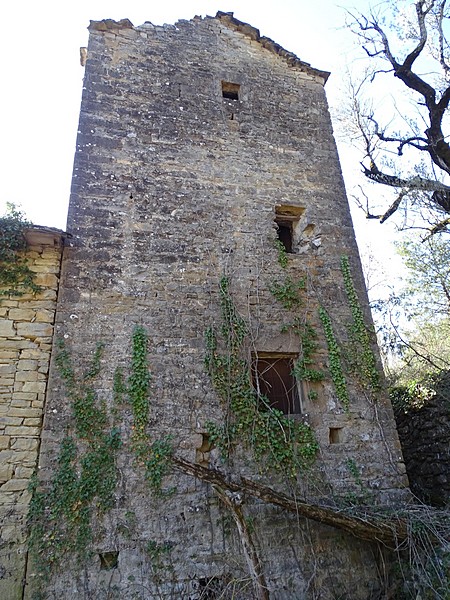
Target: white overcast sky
{"type": "Point", "coordinates": [42, 80]}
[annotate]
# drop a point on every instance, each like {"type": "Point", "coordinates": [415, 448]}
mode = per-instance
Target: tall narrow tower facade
{"type": "Point", "coordinates": [212, 309]}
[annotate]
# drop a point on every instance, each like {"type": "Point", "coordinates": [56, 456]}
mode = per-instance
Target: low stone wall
{"type": "Point", "coordinates": [26, 334]}
{"type": "Point", "coordinates": [424, 435]}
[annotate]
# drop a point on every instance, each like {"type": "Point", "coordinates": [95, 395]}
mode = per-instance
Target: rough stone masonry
{"type": "Point", "coordinates": [205, 150]}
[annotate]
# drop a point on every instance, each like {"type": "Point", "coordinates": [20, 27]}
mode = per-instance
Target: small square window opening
{"type": "Point", "coordinates": [286, 218]}
{"type": "Point", "coordinates": [275, 383]}
{"type": "Point", "coordinates": [335, 435]}
{"type": "Point", "coordinates": [230, 91]}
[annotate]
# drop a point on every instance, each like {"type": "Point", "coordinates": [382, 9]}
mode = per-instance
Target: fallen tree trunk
{"type": "Point", "coordinates": [367, 527]}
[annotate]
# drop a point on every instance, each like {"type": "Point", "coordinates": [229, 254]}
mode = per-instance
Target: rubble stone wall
{"type": "Point", "coordinates": [26, 335]}
{"type": "Point", "coordinates": [176, 185]}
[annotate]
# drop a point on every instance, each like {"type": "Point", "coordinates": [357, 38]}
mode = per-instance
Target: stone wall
{"type": "Point", "coordinates": [424, 433]}
{"type": "Point", "coordinates": [176, 184]}
{"type": "Point", "coordinates": [26, 335]}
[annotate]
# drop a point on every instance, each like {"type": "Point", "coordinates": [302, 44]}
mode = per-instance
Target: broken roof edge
{"type": "Point", "coordinates": [228, 19]}
{"type": "Point", "coordinates": [40, 235]}
{"type": "Point", "coordinates": [292, 59]}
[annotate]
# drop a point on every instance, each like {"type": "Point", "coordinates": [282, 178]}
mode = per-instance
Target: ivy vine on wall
{"type": "Point", "coordinates": [278, 442]}
{"type": "Point", "coordinates": [361, 354]}
{"type": "Point", "coordinates": [60, 518]}
{"type": "Point", "coordinates": [15, 276]}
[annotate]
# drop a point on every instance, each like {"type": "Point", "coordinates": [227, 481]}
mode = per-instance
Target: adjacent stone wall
{"type": "Point", "coordinates": [424, 434]}
{"type": "Point", "coordinates": [26, 334]}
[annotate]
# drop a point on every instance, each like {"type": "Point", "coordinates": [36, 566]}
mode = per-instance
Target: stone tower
{"type": "Point", "coordinates": [207, 204]}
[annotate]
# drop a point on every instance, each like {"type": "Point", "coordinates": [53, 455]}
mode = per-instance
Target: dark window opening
{"type": "Point", "coordinates": [286, 218]}
{"type": "Point", "coordinates": [109, 560]}
{"type": "Point", "coordinates": [335, 436]}
{"type": "Point", "coordinates": [275, 383]}
{"type": "Point", "coordinates": [285, 234]}
{"type": "Point", "coordinates": [230, 91]}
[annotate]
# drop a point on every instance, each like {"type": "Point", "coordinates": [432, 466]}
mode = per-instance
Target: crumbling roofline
{"type": "Point", "coordinates": [228, 19]}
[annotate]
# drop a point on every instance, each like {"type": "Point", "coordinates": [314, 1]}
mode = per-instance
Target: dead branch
{"type": "Point", "coordinates": [233, 502]}
{"type": "Point", "coordinates": [390, 533]}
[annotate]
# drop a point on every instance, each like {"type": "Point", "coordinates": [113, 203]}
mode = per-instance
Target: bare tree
{"type": "Point", "coordinates": [407, 149]}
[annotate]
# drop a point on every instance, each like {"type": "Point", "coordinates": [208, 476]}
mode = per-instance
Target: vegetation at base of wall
{"type": "Point", "coordinates": [361, 354]}
{"type": "Point", "coordinates": [60, 519]}
{"type": "Point", "coordinates": [334, 360]}
{"type": "Point", "coordinates": [277, 442]}
{"type": "Point", "coordinates": [15, 276]}
{"type": "Point", "coordinates": [154, 456]}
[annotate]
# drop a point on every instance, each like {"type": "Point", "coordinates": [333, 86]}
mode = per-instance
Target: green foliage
{"type": "Point", "coordinates": [427, 290]}
{"type": "Point", "coordinates": [282, 254]}
{"type": "Point", "coordinates": [90, 419]}
{"type": "Point", "coordinates": [119, 387]}
{"type": "Point", "coordinates": [139, 382]}
{"type": "Point", "coordinates": [157, 463]}
{"type": "Point", "coordinates": [289, 292]}
{"type": "Point", "coordinates": [15, 275]}
{"type": "Point", "coordinates": [417, 393]}
{"type": "Point", "coordinates": [361, 352]}
{"type": "Point", "coordinates": [308, 337]}
{"type": "Point", "coordinates": [334, 360]}
{"type": "Point", "coordinates": [154, 456]}
{"type": "Point", "coordinates": [156, 551]}
{"type": "Point", "coordinates": [278, 442]}
{"type": "Point", "coordinates": [85, 477]}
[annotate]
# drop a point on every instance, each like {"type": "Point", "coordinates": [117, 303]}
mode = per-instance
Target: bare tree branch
{"type": "Point", "coordinates": [372, 528]}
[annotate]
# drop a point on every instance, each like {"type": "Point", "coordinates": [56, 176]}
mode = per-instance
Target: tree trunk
{"type": "Point", "coordinates": [234, 502]}
{"type": "Point", "coordinates": [367, 527]}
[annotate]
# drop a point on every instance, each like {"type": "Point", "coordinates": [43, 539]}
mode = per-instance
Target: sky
{"type": "Point", "coordinates": [42, 81]}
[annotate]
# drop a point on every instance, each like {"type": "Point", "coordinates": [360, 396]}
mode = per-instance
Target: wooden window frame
{"type": "Point", "coordinates": [277, 387]}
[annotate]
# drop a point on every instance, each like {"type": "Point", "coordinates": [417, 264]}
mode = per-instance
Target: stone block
{"type": "Point", "coordinates": [26, 376]}
{"type": "Point", "coordinates": [4, 441]}
{"type": "Point", "coordinates": [24, 412]}
{"type": "Point", "coordinates": [34, 330]}
{"type": "Point", "coordinates": [24, 444]}
{"type": "Point", "coordinates": [14, 485]}
{"type": "Point", "coordinates": [10, 421]}
{"type": "Point", "coordinates": [22, 431]}
{"type": "Point", "coordinates": [33, 422]}
{"type": "Point", "coordinates": [21, 314]}
{"type": "Point", "coordinates": [45, 316]}
{"type": "Point", "coordinates": [6, 472]}
{"type": "Point", "coordinates": [46, 280]}
{"type": "Point", "coordinates": [7, 328]}
{"type": "Point", "coordinates": [23, 472]}
{"type": "Point", "coordinates": [34, 386]}
{"type": "Point", "coordinates": [27, 365]}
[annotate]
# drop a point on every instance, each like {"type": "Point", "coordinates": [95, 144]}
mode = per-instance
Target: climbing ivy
{"type": "Point", "coordinates": [289, 293]}
{"type": "Point", "coordinates": [154, 456]}
{"type": "Point", "coordinates": [282, 254]}
{"type": "Point", "coordinates": [139, 384]}
{"type": "Point", "coordinates": [334, 359]}
{"type": "Point", "coordinates": [15, 275]}
{"type": "Point", "coordinates": [60, 519]}
{"type": "Point", "coordinates": [277, 442]}
{"type": "Point", "coordinates": [361, 353]}
{"type": "Point", "coordinates": [303, 370]}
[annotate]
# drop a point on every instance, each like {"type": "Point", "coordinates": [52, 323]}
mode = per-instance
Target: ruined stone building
{"type": "Point", "coordinates": [210, 306]}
